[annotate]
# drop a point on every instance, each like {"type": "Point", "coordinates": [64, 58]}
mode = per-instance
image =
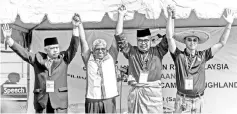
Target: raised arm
{"type": "Point", "coordinates": [117, 41]}
{"type": "Point", "coordinates": [119, 36]}
{"type": "Point", "coordinates": [224, 37]}
{"type": "Point", "coordinates": [73, 46]}
{"type": "Point", "coordinates": [85, 50]}
{"type": "Point", "coordinates": [121, 13]}
{"type": "Point", "coordinates": [114, 50]}
{"type": "Point", "coordinates": [170, 29]}
{"type": "Point", "coordinates": [18, 49]}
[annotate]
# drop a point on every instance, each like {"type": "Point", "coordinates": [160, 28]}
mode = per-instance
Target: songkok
{"type": "Point", "coordinates": [50, 41]}
{"type": "Point", "coordinates": [98, 42]}
{"type": "Point", "coordinates": [143, 33]}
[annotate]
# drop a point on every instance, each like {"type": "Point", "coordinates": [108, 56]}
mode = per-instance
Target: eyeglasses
{"type": "Point", "coordinates": [140, 40]}
{"type": "Point", "coordinates": [98, 49]}
{"type": "Point", "coordinates": [192, 40]}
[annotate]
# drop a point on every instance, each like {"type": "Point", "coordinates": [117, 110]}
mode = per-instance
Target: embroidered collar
{"type": "Point", "coordinates": [188, 54]}
{"type": "Point", "coordinates": [143, 52]}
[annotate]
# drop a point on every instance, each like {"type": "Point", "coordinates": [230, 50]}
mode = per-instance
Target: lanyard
{"type": "Point", "coordinates": [188, 69]}
{"type": "Point", "coordinates": [191, 62]}
{"type": "Point", "coordinates": [99, 70]}
{"type": "Point", "coordinates": [144, 62]}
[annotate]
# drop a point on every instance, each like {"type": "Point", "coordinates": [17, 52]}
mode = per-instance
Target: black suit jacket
{"type": "Point", "coordinates": [58, 98]}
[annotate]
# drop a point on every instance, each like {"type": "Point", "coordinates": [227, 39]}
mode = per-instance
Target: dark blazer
{"type": "Point", "coordinates": [58, 98]}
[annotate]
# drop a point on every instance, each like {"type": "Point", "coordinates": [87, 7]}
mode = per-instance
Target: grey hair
{"type": "Point", "coordinates": [99, 42]}
{"type": "Point", "coordinates": [46, 47]}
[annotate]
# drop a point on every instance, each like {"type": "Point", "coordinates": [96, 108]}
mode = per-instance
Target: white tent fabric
{"type": "Point", "coordinates": [61, 11]}
{"type": "Point", "coordinates": [28, 15]}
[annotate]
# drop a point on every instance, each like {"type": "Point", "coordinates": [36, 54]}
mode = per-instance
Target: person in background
{"type": "Point", "coordinates": [13, 78]}
{"type": "Point", "coordinates": [50, 88]}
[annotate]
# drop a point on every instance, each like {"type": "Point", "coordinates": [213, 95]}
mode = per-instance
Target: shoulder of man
{"type": "Point", "coordinates": [177, 52]}
{"type": "Point", "coordinates": [135, 48]}
{"type": "Point", "coordinates": [62, 54]}
{"type": "Point", "coordinates": [201, 52]}
{"type": "Point", "coordinates": [40, 57]}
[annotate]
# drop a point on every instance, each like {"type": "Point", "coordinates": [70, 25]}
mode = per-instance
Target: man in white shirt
{"type": "Point", "coordinates": [101, 88]}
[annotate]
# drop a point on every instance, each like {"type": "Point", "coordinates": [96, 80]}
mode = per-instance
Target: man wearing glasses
{"type": "Point", "coordinates": [101, 87]}
{"type": "Point", "coordinates": [145, 64]}
{"type": "Point", "coordinates": [190, 64]}
{"type": "Point", "coordinates": [50, 87]}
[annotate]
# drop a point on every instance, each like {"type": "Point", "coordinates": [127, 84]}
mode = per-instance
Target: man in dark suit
{"type": "Point", "coordinates": [50, 89]}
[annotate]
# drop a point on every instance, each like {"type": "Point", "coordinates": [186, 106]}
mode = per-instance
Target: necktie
{"type": "Point", "coordinates": [48, 65]}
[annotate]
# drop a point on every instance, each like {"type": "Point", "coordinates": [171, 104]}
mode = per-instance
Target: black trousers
{"type": "Point", "coordinates": [100, 105]}
{"type": "Point", "coordinates": [50, 109]}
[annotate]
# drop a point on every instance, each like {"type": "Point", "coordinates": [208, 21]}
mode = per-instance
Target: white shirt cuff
{"type": "Point", "coordinates": [10, 42]}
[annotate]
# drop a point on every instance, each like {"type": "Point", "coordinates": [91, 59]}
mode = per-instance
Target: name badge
{"type": "Point", "coordinates": [188, 84]}
{"type": "Point", "coordinates": [143, 77]}
{"type": "Point", "coordinates": [49, 86]}
{"type": "Point", "coordinates": [97, 82]}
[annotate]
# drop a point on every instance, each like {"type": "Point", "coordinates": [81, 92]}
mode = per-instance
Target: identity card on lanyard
{"type": "Point", "coordinates": [144, 72]}
{"type": "Point", "coordinates": [49, 85]}
{"type": "Point", "coordinates": [143, 77]}
{"type": "Point", "coordinates": [97, 82]}
{"type": "Point", "coordinates": [188, 82]}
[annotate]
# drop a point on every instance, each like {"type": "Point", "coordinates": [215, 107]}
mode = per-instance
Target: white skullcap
{"type": "Point", "coordinates": [98, 42]}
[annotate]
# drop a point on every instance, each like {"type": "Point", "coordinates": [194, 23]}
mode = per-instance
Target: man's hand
{"type": "Point", "coordinates": [171, 11]}
{"type": "Point", "coordinates": [121, 38]}
{"type": "Point", "coordinates": [229, 18]}
{"type": "Point", "coordinates": [122, 10]}
{"type": "Point", "coordinates": [132, 83]}
{"type": "Point", "coordinates": [76, 20]}
{"type": "Point", "coordinates": [124, 72]}
{"type": "Point", "coordinates": [7, 32]}
{"type": "Point", "coordinates": [121, 41]}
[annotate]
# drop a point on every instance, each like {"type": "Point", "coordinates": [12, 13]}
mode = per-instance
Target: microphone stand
{"type": "Point", "coordinates": [121, 90]}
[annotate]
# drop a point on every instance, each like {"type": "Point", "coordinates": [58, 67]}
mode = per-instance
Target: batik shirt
{"type": "Point", "coordinates": [153, 59]}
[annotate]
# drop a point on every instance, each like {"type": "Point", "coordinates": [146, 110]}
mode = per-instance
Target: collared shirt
{"type": "Point", "coordinates": [101, 77]}
{"type": "Point", "coordinates": [49, 63]}
{"type": "Point", "coordinates": [154, 60]}
{"type": "Point", "coordinates": [183, 61]}
{"type": "Point", "coordinates": [49, 59]}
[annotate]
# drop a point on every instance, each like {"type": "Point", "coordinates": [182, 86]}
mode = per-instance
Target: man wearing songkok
{"type": "Point", "coordinates": [190, 63]}
{"type": "Point", "coordinates": [50, 87]}
{"type": "Point", "coordinates": [101, 78]}
{"type": "Point", "coordinates": [145, 64]}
